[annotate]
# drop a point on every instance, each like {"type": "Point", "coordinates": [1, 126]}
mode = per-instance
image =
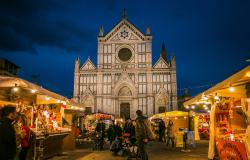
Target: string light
{"type": "Point", "coordinates": [231, 89]}
{"type": "Point", "coordinates": [33, 91]}
{"type": "Point", "coordinates": [15, 89]}
{"type": "Point", "coordinates": [193, 107]}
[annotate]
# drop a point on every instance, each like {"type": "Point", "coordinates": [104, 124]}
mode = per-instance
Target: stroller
{"type": "Point", "coordinates": [129, 147]}
{"type": "Point", "coordinates": [116, 145]}
{"type": "Point", "coordinates": [97, 141]}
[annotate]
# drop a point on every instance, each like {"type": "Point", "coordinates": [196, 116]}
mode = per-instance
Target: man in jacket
{"type": "Point", "coordinates": [7, 134]}
{"type": "Point", "coordinates": [141, 132]}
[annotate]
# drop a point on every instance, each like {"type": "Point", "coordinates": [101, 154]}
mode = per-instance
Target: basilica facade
{"type": "Point", "coordinates": [125, 79]}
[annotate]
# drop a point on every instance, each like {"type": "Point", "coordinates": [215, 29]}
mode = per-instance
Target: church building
{"type": "Point", "coordinates": [125, 79]}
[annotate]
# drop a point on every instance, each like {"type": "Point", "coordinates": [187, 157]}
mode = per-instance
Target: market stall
{"type": "Point", "coordinates": [90, 120]}
{"type": "Point", "coordinates": [179, 118]}
{"type": "Point", "coordinates": [43, 111]}
{"type": "Point", "coordinates": [229, 116]}
{"type": "Point", "coordinates": [200, 123]}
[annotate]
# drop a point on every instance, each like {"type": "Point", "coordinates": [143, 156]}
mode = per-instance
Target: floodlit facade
{"type": "Point", "coordinates": [124, 79]}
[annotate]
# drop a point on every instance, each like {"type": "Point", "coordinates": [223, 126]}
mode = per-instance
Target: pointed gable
{"type": "Point", "coordinates": [161, 63]}
{"type": "Point", "coordinates": [124, 30]}
{"type": "Point", "coordinates": [88, 65]}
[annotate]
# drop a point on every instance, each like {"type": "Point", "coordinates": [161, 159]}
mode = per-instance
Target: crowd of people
{"type": "Point", "coordinates": [139, 131]}
{"type": "Point", "coordinates": [14, 134]}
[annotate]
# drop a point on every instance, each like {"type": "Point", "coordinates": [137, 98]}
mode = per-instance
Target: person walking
{"type": "Point", "coordinates": [111, 134]}
{"type": "Point", "coordinates": [100, 129]}
{"type": "Point", "coordinates": [162, 129]}
{"type": "Point", "coordinates": [25, 141]}
{"type": "Point", "coordinates": [143, 134]}
{"type": "Point", "coordinates": [127, 126]}
{"type": "Point", "coordinates": [7, 134]}
{"type": "Point", "coordinates": [170, 133]}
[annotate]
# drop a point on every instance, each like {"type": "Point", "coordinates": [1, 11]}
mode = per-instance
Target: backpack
{"type": "Point", "coordinates": [147, 129]}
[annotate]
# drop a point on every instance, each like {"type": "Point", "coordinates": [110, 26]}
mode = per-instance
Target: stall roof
{"type": "Point", "coordinates": [170, 114]}
{"type": "Point", "coordinates": [221, 89]}
{"type": "Point", "coordinates": [9, 82]}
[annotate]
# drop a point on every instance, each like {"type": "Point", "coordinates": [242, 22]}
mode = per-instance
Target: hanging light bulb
{"type": "Point", "coordinates": [216, 97]}
{"type": "Point", "coordinates": [231, 89]}
{"type": "Point", "coordinates": [15, 89]}
{"type": "Point", "coordinates": [33, 91]}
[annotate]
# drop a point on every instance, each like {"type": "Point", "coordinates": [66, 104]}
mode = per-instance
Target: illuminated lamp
{"type": "Point", "coordinates": [231, 89]}
{"type": "Point", "coordinates": [193, 107]}
{"type": "Point", "coordinates": [15, 89]}
{"type": "Point", "coordinates": [175, 118]}
{"type": "Point", "coordinates": [33, 91]}
{"type": "Point", "coordinates": [208, 111]}
{"type": "Point", "coordinates": [47, 98]}
{"type": "Point", "coordinates": [63, 102]}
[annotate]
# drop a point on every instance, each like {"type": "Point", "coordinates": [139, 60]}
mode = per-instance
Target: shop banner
{"type": "Point", "coordinates": [231, 150]}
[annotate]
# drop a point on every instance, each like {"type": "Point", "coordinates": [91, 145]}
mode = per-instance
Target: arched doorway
{"type": "Point", "coordinates": [125, 99]}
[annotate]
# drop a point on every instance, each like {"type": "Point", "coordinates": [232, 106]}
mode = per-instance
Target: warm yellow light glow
{"type": "Point", "coordinates": [72, 107]}
{"type": "Point", "coordinates": [204, 106]}
{"type": "Point", "coordinates": [208, 111]}
{"type": "Point", "coordinates": [15, 89]}
{"type": "Point", "coordinates": [187, 107]}
{"type": "Point", "coordinates": [248, 74]}
{"type": "Point", "coordinates": [216, 97]}
{"type": "Point", "coordinates": [64, 103]}
{"type": "Point", "coordinates": [33, 91]}
{"type": "Point", "coordinates": [47, 98]}
{"type": "Point", "coordinates": [231, 89]}
{"type": "Point", "coordinates": [193, 107]}
{"type": "Point", "coordinates": [175, 118]}
{"type": "Point", "coordinates": [58, 101]}
{"type": "Point", "coordinates": [197, 102]}
{"type": "Point", "coordinates": [185, 117]}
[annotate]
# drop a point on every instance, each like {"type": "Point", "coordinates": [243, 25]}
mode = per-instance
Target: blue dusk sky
{"type": "Point", "coordinates": [210, 39]}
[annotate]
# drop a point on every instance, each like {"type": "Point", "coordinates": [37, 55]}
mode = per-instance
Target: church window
{"type": "Point", "coordinates": [165, 78]}
{"type": "Point", "coordinates": [105, 49]}
{"type": "Point", "coordinates": [154, 77]}
{"type": "Point", "coordinates": [107, 78]}
{"type": "Point", "coordinates": [142, 104]}
{"type": "Point", "coordinates": [107, 89]}
{"type": "Point", "coordinates": [142, 77]}
{"type": "Point", "coordinates": [109, 48]}
{"type": "Point", "coordinates": [143, 48]}
{"type": "Point", "coordinates": [139, 48]}
{"type": "Point", "coordinates": [124, 54]}
{"type": "Point", "coordinates": [142, 88]}
{"type": "Point", "coordinates": [81, 79]}
{"type": "Point", "coordinates": [148, 47]}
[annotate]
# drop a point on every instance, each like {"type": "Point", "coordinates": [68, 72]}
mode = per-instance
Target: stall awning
{"type": "Point", "coordinates": [237, 81]}
{"type": "Point", "coordinates": [170, 114]}
{"type": "Point", "coordinates": [44, 95]}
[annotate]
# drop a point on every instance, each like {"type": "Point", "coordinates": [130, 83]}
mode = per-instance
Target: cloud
{"type": "Point", "coordinates": [27, 23]}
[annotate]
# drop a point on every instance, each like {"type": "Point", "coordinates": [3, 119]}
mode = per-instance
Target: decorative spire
{"type": "Point", "coordinates": [163, 52]}
{"type": "Point", "coordinates": [77, 64]}
{"type": "Point", "coordinates": [148, 30]}
{"type": "Point", "coordinates": [101, 31]}
{"type": "Point", "coordinates": [124, 14]}
{"type": "Point", "coordinates": [173, 64]}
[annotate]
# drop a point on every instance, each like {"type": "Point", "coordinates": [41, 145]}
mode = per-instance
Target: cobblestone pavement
{"type": "Point", "coordinates": [156, 151]}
